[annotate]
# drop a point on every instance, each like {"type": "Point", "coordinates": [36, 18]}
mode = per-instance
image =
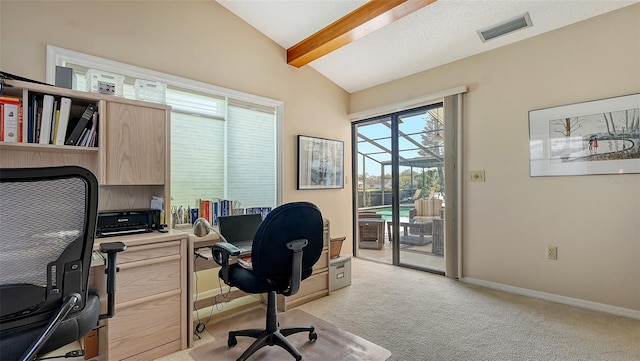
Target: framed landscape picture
{"type": "Point", "coordinates": [595, 137]}
{"type": "Point", "coordinates": [320, 163]}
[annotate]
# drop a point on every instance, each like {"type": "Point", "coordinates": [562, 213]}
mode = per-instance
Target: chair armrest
{"type": "Point", "coordinates": [296, 247]}
{"type": "Point", "coordinates": [111, 248]}
{"type": "Point", "coordinates": [221, 253]}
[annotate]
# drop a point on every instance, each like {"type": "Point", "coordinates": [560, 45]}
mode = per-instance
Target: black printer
{"type": "Point", "coordinates": [122, 222]}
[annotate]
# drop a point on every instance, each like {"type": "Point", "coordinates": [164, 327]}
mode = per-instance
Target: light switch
{"type": "Point", "coordinates": [476, 176]}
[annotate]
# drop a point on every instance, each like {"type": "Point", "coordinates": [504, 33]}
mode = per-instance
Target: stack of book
{"type": "Point", "coordinates": [49, 120]}
{"type": "Point", "coordinates": [10, 119]}
{"type": "Point", "coordinates": [211, 209]}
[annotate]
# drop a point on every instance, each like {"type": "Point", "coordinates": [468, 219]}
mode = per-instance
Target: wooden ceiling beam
{"type": "Point", "coordinates": [364, 20]}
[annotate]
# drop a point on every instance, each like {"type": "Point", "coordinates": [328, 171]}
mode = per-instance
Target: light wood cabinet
{"type": "Point", "coordinates": [131, 159]}
{"type": "Point", "coordinates": [151, 297]}
{"type": "Point", "coordinates": [136, 146]}
{"type": "Point", "coordinates": [316, 285]}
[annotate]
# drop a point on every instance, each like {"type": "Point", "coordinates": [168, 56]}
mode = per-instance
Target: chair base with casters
{"type": "Point", "coordinates": [272, 334]}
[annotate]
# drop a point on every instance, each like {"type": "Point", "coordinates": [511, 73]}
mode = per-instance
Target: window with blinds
{"type": "Point", "coordinates": [221, 147]}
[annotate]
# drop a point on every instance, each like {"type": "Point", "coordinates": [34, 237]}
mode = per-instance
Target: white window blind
{"type": "Point", "coordinates": [251, 137]}
{"type": "Point", "coordinates": [197, 159]}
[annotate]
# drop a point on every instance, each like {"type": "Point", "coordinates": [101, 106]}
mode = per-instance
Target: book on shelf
{"type": "Point", "coordinates": [46, 120]}
{"type": "Point", "coordinates": [20, 124]}
{"type": "Point", "coordinates": [31, 119]}
{"type": "Point", "coordinates": [215, 213]}
{"type": "Point", "coordinates": [93, 136]}
{"type": "Point", "coordinates": [38, 122]}
{"type": "Point", "coordinates": [263, 211]}
{"type": "Point", "coordinates": [10, 117]}
{"type": "Point", "coordinates": [209, 209]}
{"type": "Point", "coordinates": [63, 121]}
{"type": "Point", "coordinates": [85, 121]}
{"type": "Point", "coordinates": [54, 121]}
{"type": "Point", "coordinates": [203, 209]}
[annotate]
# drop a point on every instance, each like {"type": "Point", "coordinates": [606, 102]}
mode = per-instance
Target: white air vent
{"type": "Point", "coordinates": [507, 27]}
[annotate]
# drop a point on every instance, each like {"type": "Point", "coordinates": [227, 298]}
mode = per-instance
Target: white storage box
{"type": "Point", "coordinates": [151, 91]}
{"type": "Point", "coordinates": [98, 81]}
{"type": "Point", "coordinates": [339, 272]}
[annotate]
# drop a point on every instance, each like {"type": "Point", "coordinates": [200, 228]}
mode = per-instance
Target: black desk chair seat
{"type": "Point", "coordinates": [287, 244]}
{"type": "Point", "coordinates": [48, 220]}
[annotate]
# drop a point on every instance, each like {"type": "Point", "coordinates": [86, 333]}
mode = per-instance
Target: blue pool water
{"type": "Point", "coordinates": [386, 212]}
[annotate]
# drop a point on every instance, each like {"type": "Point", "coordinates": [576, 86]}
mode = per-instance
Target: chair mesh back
{"type": "Point", "coordinates": [39, 220]}
{"type": "Point", "coordinates": [47, 229]}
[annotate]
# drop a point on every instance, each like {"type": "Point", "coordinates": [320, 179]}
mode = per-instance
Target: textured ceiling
{"type": "Point", "coordinates": [438, 34]}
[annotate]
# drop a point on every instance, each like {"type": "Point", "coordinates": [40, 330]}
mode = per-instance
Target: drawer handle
{"type": "Point", "coordinates": [148, 299]}
{"type": "Point", "coordinates": [150, 261]}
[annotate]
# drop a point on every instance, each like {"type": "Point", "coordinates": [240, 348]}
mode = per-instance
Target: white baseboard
{"type": "Point", "coordinates": [620, 311]}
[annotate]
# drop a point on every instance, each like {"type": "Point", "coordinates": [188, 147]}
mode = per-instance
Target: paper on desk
{"type": "Point", "coordinates": [157, 203]}
{"type": "Point", "coordinates": [245, 262]}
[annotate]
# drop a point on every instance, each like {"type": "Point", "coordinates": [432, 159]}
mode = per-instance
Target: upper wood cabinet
{"type": "Point", "coordinates": [135, 145]}
{"type": "Point", "coordinates": [131, 158]}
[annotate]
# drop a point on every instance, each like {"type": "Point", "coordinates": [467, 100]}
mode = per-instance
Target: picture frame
{"type": "Point", "coordinates": [594, 137]}
{"type": "Point", "coordinates": [320, 163]}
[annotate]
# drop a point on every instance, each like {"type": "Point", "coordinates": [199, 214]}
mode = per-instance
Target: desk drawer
{"type": "Point", "coordinates": [315, 283]}
{"type": "Point", "coordinates": [145, 278]}
{"type": "Point", "coordinates": [315, 286]}
{"type": "Point", "coordinates": [148, 251]}
{"type": "Point", "coordinates": [322, 263]}
{"type": "Point", "coordinates": [144, 324]}
{"type": "Point", "coordinates": [325, 232]}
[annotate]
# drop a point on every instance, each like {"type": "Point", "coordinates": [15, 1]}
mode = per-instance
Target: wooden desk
{"type": "Point", "coordinates": [205, 282]}
{"type": "Point", "coordinates": [151, 297]}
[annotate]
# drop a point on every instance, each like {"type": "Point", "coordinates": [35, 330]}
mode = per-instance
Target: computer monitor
{"type": "Point", "coordinates": [239, 228]}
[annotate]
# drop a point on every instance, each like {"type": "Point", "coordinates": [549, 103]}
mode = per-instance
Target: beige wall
{"type": "Point", "coordinates": [511, 218]}
{"type": "Point", "coordinates": [195, 40]}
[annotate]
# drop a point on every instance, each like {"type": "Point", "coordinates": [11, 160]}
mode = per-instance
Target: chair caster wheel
{"type": "Point", "coordinates": [313, 336]}
{"type": "Point", "coordinates": [232, 341]}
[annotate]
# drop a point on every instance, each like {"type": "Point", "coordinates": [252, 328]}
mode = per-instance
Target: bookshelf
{"type": "Point", "coordinates": [130, 156]}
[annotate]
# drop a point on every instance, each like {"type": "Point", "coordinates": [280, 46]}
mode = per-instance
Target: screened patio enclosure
{"type": "Point", "coordinates": [399, 160]}
{"type": "Point", "coordinates": [420, 159]}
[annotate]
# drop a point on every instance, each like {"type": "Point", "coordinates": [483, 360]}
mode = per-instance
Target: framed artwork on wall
{"type": "Point", "coordinates": [595, 137]}
{"type": "Point", "coordinates": [320, 163]}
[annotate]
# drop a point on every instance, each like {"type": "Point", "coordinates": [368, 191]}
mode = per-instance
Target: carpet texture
{"type": "Point", "coordinates": [332, 344]}
{"type": "Point", "coordinates": [424, 317]}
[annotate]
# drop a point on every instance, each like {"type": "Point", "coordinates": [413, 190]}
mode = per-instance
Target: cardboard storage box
{"type": "Point", "coordinates": [339, 272]}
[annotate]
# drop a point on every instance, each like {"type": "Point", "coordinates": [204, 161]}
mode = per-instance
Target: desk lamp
{"type": "Point", "coordinates": [201, 228]}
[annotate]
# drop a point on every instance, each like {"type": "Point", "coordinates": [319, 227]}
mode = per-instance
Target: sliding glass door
{"type": "Point", "coordinates": [373, 195]}
{"type": "Point", "coordinates": [399, 166]}
{"type": "Point", "coordinates": [421, 188]}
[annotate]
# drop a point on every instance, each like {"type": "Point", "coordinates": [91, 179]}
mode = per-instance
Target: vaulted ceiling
{"type": "Point", "coordinates": [400, 42]}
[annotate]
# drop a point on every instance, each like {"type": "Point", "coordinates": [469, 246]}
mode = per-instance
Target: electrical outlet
{"type": "Point", "coordinates": [476, 176]}
{"type": "Point", "coordinates": [552, 252]}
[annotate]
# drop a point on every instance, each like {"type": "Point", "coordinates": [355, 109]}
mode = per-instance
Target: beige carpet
{"type": "Point", "coordinates": [332, 344]}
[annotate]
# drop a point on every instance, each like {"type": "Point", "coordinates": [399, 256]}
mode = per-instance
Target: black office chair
{"type": "Point", "coordinates": [287, 244]}
{"type": "Point", "coordinates": [47, 219]}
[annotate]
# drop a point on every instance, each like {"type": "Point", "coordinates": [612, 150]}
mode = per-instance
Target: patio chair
{"type": "Point", "coordinates": [416, 195]}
